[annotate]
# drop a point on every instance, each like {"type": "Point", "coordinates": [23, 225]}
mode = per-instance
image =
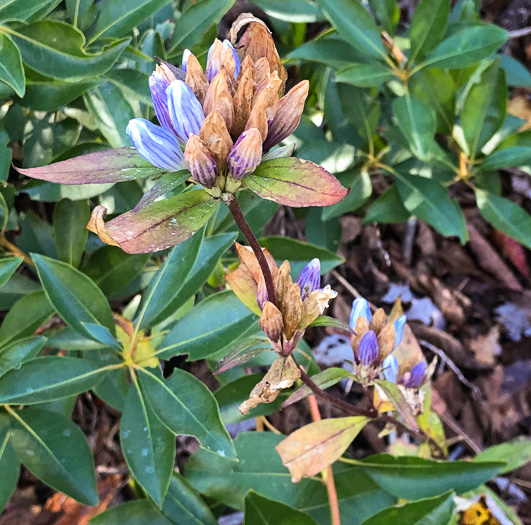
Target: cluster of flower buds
{"type": "Point", "coordinates": [219, 122]}
{"type": "Point", "coordinates": [298, 303]}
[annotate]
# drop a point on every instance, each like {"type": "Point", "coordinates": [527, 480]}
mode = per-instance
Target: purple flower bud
{"type": "Point", "coordinates": [399, 325]}
{"type": "Point", "coordinates": [390, 368]}
{"type": "Point", "coordinates": [200, 162]}
{"type": "Point", "coordinates": [246, 154]}
{"type": "Point", "coordinates": [261, 293]}
{"type": "Point", "coordinates": [158, 85]}
{"type": "Point", "coordinates": [227, 45]}
{"type": "Point", "coordinates": [368, 349]}
{"type": "Point", "coordinates": [157, 145]}
{"type": "Point", "coordinates": [186, 56]}
{"type": "Point", "coordinates": [310, 278]}
{"type": "Point", "coordinates": [360, 308]}
{"type": "Point", "coordinates": [416, 375]}
{"type": "Point", "coordinates": [186, 113]}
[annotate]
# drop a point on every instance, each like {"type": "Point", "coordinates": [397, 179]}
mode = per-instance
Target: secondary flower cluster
{"type": "Point", "coordinates": [224, 117]}
{"type": "Point", "coordinates": [373, 345]}
{"type": "Point", "coordinates": [298, 303]}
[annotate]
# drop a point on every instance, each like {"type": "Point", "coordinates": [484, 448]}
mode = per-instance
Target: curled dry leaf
{"type": "Point", "coordinates": [311, 449]}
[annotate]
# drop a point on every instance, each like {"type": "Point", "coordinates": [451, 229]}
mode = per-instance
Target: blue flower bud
{"type": "Point", "coordinates": [158, 85]}
{"type": "Point", "coordinates": [186, 56]}
{"type": "Point", "coordinates": [310, 278]}
{"type": "Point", "coordinates": [227, 45]}
{"type": "Point", "coordinates": [360, 308]}
{"type": "Point", "coordinates": [186, 113]}
{"type": "Point", "coordinates": [399, 325]}
{"type": "Point", "coordinates": [157, 145]}
{"type": "Point", "coordinates": [390, 368]}
{"type": "Point", "coordinates": [368, 349]}
{"type": "Point", "coordinates": [416, 375]}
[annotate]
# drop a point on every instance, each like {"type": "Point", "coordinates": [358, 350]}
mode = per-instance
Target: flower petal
{"type": "Point", "coordinates": [416, 375]}
{"type": "Point", "coordinates": [390, 368]}
{"type": "Point", "coordinates": [399, 325]}
{"type": "Point", "coordinates": [360, 308]}
{"type": "Point", "coordinates": [186, 113]}
{"type": "Point", "coordinates": [368, 349]}
{"type": "Point", "coordinates": [310, 278]}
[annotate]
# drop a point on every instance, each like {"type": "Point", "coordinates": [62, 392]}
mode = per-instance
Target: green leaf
{"type": "Point", "coordinates": [118, 17]}
{"type": "Point", "coordinates": [147, 445]}
{"type": "Point", "coordinates": [56, 49]}
{"type": "Point", "coordinates": [27, 314]}
{"type": "Point", "coordinates": [28, 10]}
{"type": "Point", "coordinates": [429, 200]}
{"type": "Point", "coordinates": [365, 75]}
{"type": "Point", "coordinates": [162, 224]}
{"type": "Point", "coordinates": [70, 221]}
{"type": "Point", "coordinates": [103, 335]}
{"type": "Point", "coordinates": [11, 69]}
{"type": "Point", "coordinates": [397, 399]}
{"type": "Point", "coordinates": [14, 354]}
{"type": "Point", "coordinates": [515, 454]}
{"type": "Point", "coordinates": [55, 450]}
{"type": "Point", "coordinates": [417, 122]}
{"type": "Point", "coordinates": [430, 510]}
{"type": "Point", "coordinates": [360, 185]}
{"type": "Point", "coordinates": [51, 378]}
{"type": "Point", "coordinates": [208, 328]}
{"type": "Point", "coordinates": [354, 23]}
{"type": "Point", "coordinates": [168, 281]}
{"type": "Point", "coordinates": [75, 296]}
{"type": "Point", "coordinates": [435, 87]}
{"type": "Point", "coordinates": [186, 406]}
{"type": "Point", "coordinates": [517, 74]}
{"type": "Point", "coordinates": [183, 506]}
{"type": "Point", "coordinates": [265, 511]}
{"type": "Point", "coordinates": [507, 158]}
{"type": "Point", "coordinates": [9, 464]}
{"type": "Point", "coordinates": [139, 512]}
{"type": "Point", "coordinates": [193, 23]}
{"type": "Point", "coordinates": [114, 165]}
{"type": "Point", "coordinates": [506, 216]}
{"type": "Point", "coordinates": [428, 27]}
{"type": "Point", "coordinates": [467, 47]}
{"type": "Point", "coordinates": [484, 109]}
{"type": "Point", "coordinates": [387, 12]}
{"type": "Point", "coordinates": [296, 11]}
{"type": "Point", "coordinates": [8, 266]}
{"type": "Point", "coordinates": [415, 478]}
{"type": "Point", "coordinates": [330, 51]}
{"type": "Point", "coordinates": [295, 182]}
{"type": "Point", "coordinates": [261, 470]}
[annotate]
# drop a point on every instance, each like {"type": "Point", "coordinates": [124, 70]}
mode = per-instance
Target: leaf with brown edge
{"type": "Point", "coordinates": [295, 182]}
{"type": "Point", "coordinates": [101, 167]}
{"type": "Point", "coordinates": [158, 225]}
{"type": "Point", "coordinates": [395, 395]}
{"type": "Point", "coordinates": [311, 449]}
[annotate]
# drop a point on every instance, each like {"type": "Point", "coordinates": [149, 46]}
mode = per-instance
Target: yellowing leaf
{"type": "Point", "coordinates": [313, 448]}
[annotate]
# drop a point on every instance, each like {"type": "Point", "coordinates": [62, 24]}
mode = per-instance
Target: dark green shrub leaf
{"type": "Point", "coordinates": [515, 453]}
{"type": "Point", "coordinates": [51, 378]}
{"type": "Point", "coordinates": [428, 27]}
{"type": "Point", "coordinates": [186, 406]}
{"type": "Point", "coordinates": [28, 10]}
{"type": "Point", "coordinates": [414, 478]}
{"type": "Point", "coordinates": [517, 74]}
{"type": "Point", "coordinates": [506, 216]}
{"type": "Point", "coordinates": [265, 511]}
{"type": "Point", "coordinates": [354, 23]}
{"type": "Point", "coordinates": [75, 296]}
{"type": "Point", "coordinates": [14, 354]}
{"type": "Point", "coordinates": [55, 450]}
{"type": "Point", "coordinates": [507, 158]}
{"type": "Point", "coordinates": [140, 512]}
{"type": "Point", "coordinates": [9, 464]}
{"type": "Point", "coordinates": [208, 328]}
{"type": "Point", "coordinates": [387, 208]}
{"type": "Point", "coordinates": [360, 185]}
{"type": "Point", "coordinates": [70, 232]}
{"type": "Point", "coordinates": [11, 69]}
{"type": "Point", "coordinates": [8, 266]}
{"type": "Point", "coordinates": [388, 13]}
{"type": "Point", "coordinates": [430, 510]}
{"type": "Point", "coordinates": [103, 335]}
{"type": "Point", "coordinates": [330, 51]}
{"type": "Point", "coordinates": [365, 75]}
{"type": "Point", "coordinates": [147, 445]}
{"type": "Point", "coordinates": [296, 11]}
{"type": "Point", "coordinates": [56, 49]}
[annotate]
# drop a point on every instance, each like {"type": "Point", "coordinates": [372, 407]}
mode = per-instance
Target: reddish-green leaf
{"type": "Point", "coordinates": [158, 225]}
{"type": "Point", "coordinates": [295, 182]}
{"type": "Point", "coordinates": [101, 167]}
{"type": "Point", "coordinates": [312, 448]}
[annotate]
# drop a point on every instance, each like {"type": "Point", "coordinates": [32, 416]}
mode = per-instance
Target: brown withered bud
{"type": "Point", "coordinates": [215, 59]}
{"type": "Point", "coordinates": [261, 293]}
{"type": "Point", "coordinates": [271, 322]}
{"type": "Point", "coordinates": [243, 98]}
{"type": "Point", "coordinates": [219, 99]}
{"type": "Point", "coordinates": [249, 260]}
{"type": "Point", "coordinates": [386, 341]}
{"type": "Point", "coordinates": [282, 281]}
{"type": "Point", "coordinates": [288, 114]}
{"type": "Point", "coordinates": [378, 321]}
{"type": "Point", "coordinates": [267, 96]}
{"type": "Point", "coordinates": [168, 71]}
{"type": "Point", "coordinates": [195, 78]}
{"type": "Point", "coordinates": [292, 310]}
{"type": "Point", "coordinates": [262, 71]}
{"type": "Point", "coordinates": [256, 42]}
{"type": "Point", "coordinates": [258, 119]}
{"type": "Point", "coordinates": [200, 162]}
{"type": "Point", "coordinates": [362, 326]}
{"type": "Point", "coordinates": [216, 137]}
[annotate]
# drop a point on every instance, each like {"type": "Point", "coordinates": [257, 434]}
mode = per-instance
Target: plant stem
{"type": "Point", "coordinates": [327, 474]}
{"type": "Point", "coordinates": [15, 250]}
{"type": "Point", "coordinates": [241, 221]}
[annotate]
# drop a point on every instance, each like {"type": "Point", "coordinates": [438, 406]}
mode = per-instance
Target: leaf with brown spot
{"type": "Point", "coordinates": [311, 449]}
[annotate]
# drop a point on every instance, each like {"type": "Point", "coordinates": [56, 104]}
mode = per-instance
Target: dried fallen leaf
{"type": "Point", "coordinates": [312, 448]}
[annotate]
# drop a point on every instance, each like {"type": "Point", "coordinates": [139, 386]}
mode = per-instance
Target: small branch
{"type": "Point", "coordinates": [327, 474]}
{"type": "Point", "coordinates": [518, 33]}
{"type": "Point", "coordinates": [241, 221]}
{"type": "Point", "coordinates": [15, 250]}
